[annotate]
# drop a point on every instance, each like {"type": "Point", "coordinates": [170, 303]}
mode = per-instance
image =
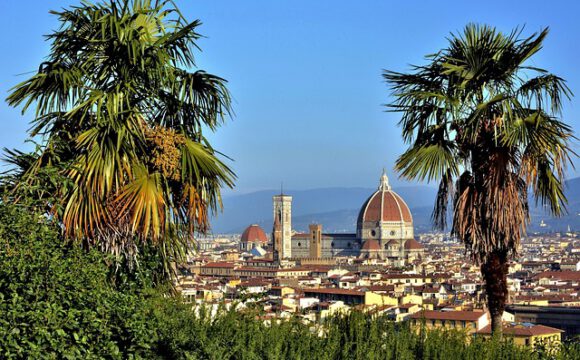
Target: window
{"type": "Point", "coordinates": [299, 244]}
{"type": "Point", "coordinates": [463, 324]}
{"type": "Point", "coordinates": [452, 323]}
{"type": "Point", "coordinates": [373, 233]}
{"type": "Point", "coordinates": [392, 233]}
{"type": "Point", "coordinates": [433, 322]}
{"type": "Point", "coordinates": [332, 244]}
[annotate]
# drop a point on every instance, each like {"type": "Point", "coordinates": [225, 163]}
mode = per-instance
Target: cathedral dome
{"type": "Point", "coordinates": [384, 205]}
{"type": "Point", "coordinates": [255, 234]}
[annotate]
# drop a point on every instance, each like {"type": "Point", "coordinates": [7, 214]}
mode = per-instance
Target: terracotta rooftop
{"type": "Point", "coordinates": [219, 265]}
{"type": "Point", "coordinates": [301, 236]}
{"type": "Point", "coordinates": [449, 315]}
{"type": "Point", "coordinates": [413, 244]}
{"type": "Point", "coordinates": [371, 244]}
{"type": "Point", "coordinates": [402, 276]}
{"type": "Point", "coordinates": [407, 306]}
{"type": "Point", "coordinates": [523, 329]}
{"type": "Point", "coordinates": [254, 268]}
{"type": "Point", "coordinates": [335, 291]}
{"type": "Point", "coordinates": [560, 275]}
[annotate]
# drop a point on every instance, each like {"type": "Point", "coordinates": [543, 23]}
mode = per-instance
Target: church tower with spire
{"type": "Point", "coordinates": [282, 234]}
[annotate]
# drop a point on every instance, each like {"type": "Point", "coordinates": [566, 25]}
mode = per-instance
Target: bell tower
{"type": "Point", "coordinates": [283, 215]}
{"type": "Point", "coordinates": [277, 238]}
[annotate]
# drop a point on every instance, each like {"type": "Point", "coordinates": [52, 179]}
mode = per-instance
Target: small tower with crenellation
{"type": "Point", "coordinates": [315, 241]}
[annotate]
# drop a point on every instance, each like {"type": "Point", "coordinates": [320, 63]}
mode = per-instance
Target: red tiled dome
{"type": "Point", "coordinates": [254, 233]}
{"type": "Point", "coordinates": [385, 205]}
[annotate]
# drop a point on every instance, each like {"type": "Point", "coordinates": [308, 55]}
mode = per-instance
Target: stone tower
{"type": "Point", "coordinates": [277, 237]}
{"type": "Point", "coordinates": [283, 210]}
{"type": "Point", "coordinates": [315, 241]}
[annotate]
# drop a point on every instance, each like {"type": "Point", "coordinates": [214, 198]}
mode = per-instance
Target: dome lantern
{"type": "Point", "coordinates": [384, 182]}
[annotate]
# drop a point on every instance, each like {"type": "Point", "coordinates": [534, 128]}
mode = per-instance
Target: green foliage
{"type": "Point", "coordinates": [235, 335]}
{"type": "Point", "coordinates": [57, 300]}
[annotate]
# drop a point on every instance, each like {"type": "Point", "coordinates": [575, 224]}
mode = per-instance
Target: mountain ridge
{"type": "Point", "coordinates": [336, 208]}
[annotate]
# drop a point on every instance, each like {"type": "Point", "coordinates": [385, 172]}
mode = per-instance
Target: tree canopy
{"type": "Point", "coordinates": [485, 123]}
{"type": "Point", "coordinates": [121, 121]}
{"type": "Point", "coordinates": [479, 114]}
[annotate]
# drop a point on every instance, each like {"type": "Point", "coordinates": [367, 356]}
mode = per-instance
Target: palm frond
{"type": "Point", "coordinates": [123, 116]}
{"type": "Point", "coordinates": [472, 114]}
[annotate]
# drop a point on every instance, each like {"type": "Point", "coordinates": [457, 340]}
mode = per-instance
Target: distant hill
{"type": "Point", "coordinates": [337, 209]}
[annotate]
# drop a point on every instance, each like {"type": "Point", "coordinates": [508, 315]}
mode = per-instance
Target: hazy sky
{"type": "Point", "coordinates": [306, 75]}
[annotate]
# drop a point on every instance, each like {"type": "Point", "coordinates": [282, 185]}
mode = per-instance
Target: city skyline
{"type": "Point", "coordinates": [142, 222]}
{"type": "Point", "coordinates": [306, 78]}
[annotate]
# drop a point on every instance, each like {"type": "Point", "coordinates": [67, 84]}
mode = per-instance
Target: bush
{"type": "Point", "coordinates": [58, 301]}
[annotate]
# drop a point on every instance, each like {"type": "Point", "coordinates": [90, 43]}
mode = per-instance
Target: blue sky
{"type": "Point", "coordinates": [306, 75]}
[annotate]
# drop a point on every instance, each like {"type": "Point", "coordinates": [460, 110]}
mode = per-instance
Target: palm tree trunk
{"type": "Point", "coordinates": [494, 272]}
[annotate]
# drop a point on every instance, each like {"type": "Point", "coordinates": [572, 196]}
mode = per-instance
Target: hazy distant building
{"type": "Point", "coordinates": [384, 231]}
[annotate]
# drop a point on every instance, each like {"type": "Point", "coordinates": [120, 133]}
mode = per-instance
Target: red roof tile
{"type": "Point", "coordinates": [385, 205]}
{"type": "Point", "coordinates": [449, 315]}
{"type": "Point", "coordinates": [413, 244]}
{"type": "Point", "coordinates": [219, 265]}
{"type": "Point", "coordinates": [560, 275]}
{"type": "Point", "coordinates": [334, 291]}
{"type": "Point", "coordinates": [525, 329]}
{"type": "Point", "coordinates": [371, 244]}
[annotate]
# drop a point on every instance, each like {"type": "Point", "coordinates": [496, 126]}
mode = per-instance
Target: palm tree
{"type": "Point", "coordinates": [121, 119]}
{"type": "Point", "coordinates": [485, 124]}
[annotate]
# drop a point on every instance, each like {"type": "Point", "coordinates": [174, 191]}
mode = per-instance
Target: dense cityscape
{"type": "Point", "coordinates": [429, 280]}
